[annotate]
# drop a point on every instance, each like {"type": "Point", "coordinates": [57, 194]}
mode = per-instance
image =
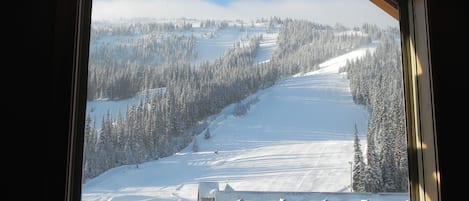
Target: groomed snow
{"type": "Point", "coordinates": [212, 44]}
{"type": "Point", "coordinates": [298, 137]}
{"type": "Point", "coordinates": [267, 47]}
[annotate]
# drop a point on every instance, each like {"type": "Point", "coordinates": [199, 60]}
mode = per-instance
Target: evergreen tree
{"type": "Point", "coordinates": [89, 146]}
{"type": "Point", "coordinates": [195, 144]}
{"type": "Point", "coordinates": [373, 179]}
{"type": "Point", "coordinates": [389, 172]}
{"type": "Point", "coordinates": [358, 174]}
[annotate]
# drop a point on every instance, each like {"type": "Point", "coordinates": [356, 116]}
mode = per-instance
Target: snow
{"type": "Point", "coordinates": [267, 47]}
{"type": "Point", "coordinates": [212, 44]}
{"type": "Point", "coordinates": [297, 138]}
{"type": "Point", "coordinates": [208, 49]}
{"type": "Point", "coordinates": [207, 189]}
{"type": "Point", "coordinates": [351, 33]}
{"type": "Point", "coordinates": [99, 108]}
{"type": "Point", "coordinates": [307, 196]}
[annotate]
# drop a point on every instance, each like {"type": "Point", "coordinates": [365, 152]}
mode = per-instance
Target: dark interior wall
{"type": "Point", "coordinates": [47, 37]}
{"type": "Point", "coordinates": [60, 84]}
{"type": "Point", "coordinates": [448, 44]}
{"type": "Point", "coordinates": [40, 91]}
{"type": "Point", "coordinates": [36, 101]}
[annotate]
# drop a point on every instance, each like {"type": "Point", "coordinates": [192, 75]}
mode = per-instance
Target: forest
{"type": "Point", "coordinates": [166, 122]}
{"type": "Point", "coordinates": [376, 81]}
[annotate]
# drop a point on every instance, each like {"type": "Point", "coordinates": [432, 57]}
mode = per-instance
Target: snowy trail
{"type": "Point", "coordinates": [298, 137]}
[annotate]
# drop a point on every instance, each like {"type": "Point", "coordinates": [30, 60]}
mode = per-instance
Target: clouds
{"type": "Point", "coordinates": [347, 12]}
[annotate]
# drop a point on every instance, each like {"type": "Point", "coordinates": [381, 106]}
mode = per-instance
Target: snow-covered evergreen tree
{"type": "Point", "coordinates": [358, 173]}
{"type": "Point", "coordinates": [195, 144]}
{"type": "Point", "coordinates": [373, 178]}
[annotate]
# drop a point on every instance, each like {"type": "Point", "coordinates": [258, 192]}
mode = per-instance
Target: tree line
{"type": "Point", "coordinates": [376, 81]}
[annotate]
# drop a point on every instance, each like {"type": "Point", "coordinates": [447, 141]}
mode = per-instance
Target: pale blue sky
{"type": "Point", "coordinates": [221, 2]}
{"type": "Point", "coordinates": [347, 12]}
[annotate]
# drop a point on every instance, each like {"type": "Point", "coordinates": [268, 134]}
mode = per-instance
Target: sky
{"type": "Point", "coordinates": [347, 12]}
{"type": "Point", "coordinates": [297, 138]}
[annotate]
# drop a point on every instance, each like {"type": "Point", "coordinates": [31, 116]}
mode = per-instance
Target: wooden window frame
{"type": "Point", "coordinates": [424, 181]}
{"type": "Point", "coordinates": [424, 177]}
{"type": "Point", "coordinates": [391, 7]}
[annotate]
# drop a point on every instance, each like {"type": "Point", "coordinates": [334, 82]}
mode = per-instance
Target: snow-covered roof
{"type": "Point", "coordinates": [207, 189]}
{"type": "Point", "coordinates": [228, 188]}
{"type": "Point", "coordinates": [308, 196]}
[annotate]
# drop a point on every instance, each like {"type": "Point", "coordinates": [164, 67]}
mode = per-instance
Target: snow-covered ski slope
{"type": "Point", "coordinates": [218, 42]}
{"type": "Point", "coordinates": [298, 137]}
{"type": "Point", "coordinates": [210, 44]}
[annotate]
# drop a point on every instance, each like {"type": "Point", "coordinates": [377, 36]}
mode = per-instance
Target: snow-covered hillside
{"type": "Point", "coordinates": [211, 43]}
{"type": "Point", "coordinates": [298, 137]}
{"type": "Point", "coordinates": [98, 109]}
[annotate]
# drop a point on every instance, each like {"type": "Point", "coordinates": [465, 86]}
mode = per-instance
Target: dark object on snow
{"type": "Point", "coordinates": [207, 134]}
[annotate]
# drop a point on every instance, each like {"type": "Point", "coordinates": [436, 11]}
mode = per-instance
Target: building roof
{"type": "Point", "coordinates": [207, 189]}
{"type": "Point", "coordinates": [308, 196]}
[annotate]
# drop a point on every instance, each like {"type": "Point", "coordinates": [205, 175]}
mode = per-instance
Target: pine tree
{"type": "Point", "coordinates": [389, 170]}
{"type": "Point", "coordinates": [373, 173]}
{"type": "Point", "coordinates": [195, 144]}
{"type": "Point", "coordinates": [89, 153]}
{"type": "Point", "coordinates": [358, 174]}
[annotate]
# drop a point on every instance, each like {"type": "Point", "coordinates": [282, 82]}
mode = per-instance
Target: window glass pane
{"type": "Point", "coordinates": [252, 100]}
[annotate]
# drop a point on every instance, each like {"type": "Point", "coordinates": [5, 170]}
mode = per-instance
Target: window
{"type": "Point", "coordinates": [412, 118]}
